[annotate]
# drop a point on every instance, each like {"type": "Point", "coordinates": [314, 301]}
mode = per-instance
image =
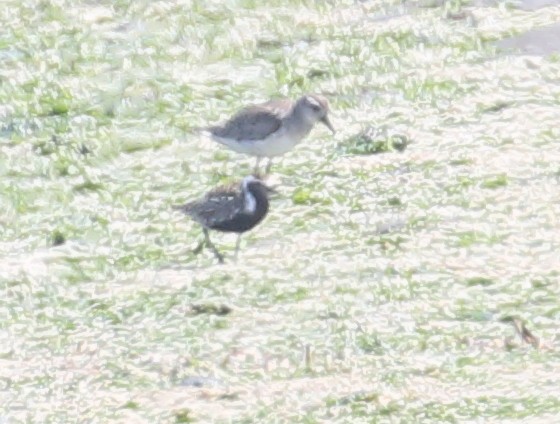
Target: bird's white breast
{"type": "Point", "coordinates": [276, 144]}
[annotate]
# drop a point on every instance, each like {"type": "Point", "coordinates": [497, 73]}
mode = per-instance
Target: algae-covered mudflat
{"type": "Point", "coordinates": [383, 284]}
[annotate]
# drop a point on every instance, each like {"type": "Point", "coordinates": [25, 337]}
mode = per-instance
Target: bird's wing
{"type": "Point", "coordinates": [279, 107]}
{"type": "Point", "coordinates": [215, 207]}
{"type": "Point", "coordinates": [252, 123]}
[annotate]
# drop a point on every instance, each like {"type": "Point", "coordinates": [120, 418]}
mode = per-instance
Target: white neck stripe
{"type": "Point", "coordinates": [250, 203]}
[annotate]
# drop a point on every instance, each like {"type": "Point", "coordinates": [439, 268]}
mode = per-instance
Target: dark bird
{"type": "Point", "coordinates": [232, 209]}
{"type": "Point", "coordinates": [273, 128]}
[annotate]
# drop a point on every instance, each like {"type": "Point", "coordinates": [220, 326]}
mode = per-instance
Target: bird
{"type": "Point", "coordinates": [230, 209]}
{"type": "Point", "coordinates": [273, 128]}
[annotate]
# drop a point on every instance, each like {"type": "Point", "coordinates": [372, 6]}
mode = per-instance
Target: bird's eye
{"type": "Point", "coordinates": [315, 107]}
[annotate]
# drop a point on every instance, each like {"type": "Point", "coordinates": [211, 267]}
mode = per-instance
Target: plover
{"type": "Point", "coordinates": [273, 128]}
{"type": "Point", "coordinates": [232, 209]}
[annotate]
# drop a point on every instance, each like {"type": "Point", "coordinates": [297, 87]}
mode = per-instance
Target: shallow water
{"type": "Point", "coordinates": [377, 286]}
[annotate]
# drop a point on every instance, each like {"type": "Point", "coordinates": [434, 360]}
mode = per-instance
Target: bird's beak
{"type": "Point", "coordinates": [325, 120]}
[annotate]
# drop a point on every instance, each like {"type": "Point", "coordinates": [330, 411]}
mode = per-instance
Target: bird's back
{"type": "Point", "coordinates": [255, 122]}
{"type": "Point", "coordinates": [215, 208]}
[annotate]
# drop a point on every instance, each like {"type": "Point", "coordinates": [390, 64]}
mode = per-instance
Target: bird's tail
{"type": "Point", "coordinates": [201, 130]}
{"type": "Point", "coordinates": [182, 208]}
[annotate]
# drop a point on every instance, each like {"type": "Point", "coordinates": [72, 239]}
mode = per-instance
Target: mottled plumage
{"type": "Point", "coordinates": [235, 209]}
{"type": "Point", "coordinates": [251, 124]}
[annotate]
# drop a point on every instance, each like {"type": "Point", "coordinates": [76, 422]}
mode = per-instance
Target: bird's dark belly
{"type": "Point", "coordinates": [238, 224]}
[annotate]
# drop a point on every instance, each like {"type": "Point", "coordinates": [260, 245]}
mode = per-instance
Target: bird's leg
{"type": "Point", "coordinates": [199, 247]}
{"type": "Point", "coordinates": [268, 166]}
{"type": "Point", "coordinates": [237, 245]}
{"type": "Point", "coordinates": [209, 243]}
{"type": "Point", "coordinates": [256, 171]}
